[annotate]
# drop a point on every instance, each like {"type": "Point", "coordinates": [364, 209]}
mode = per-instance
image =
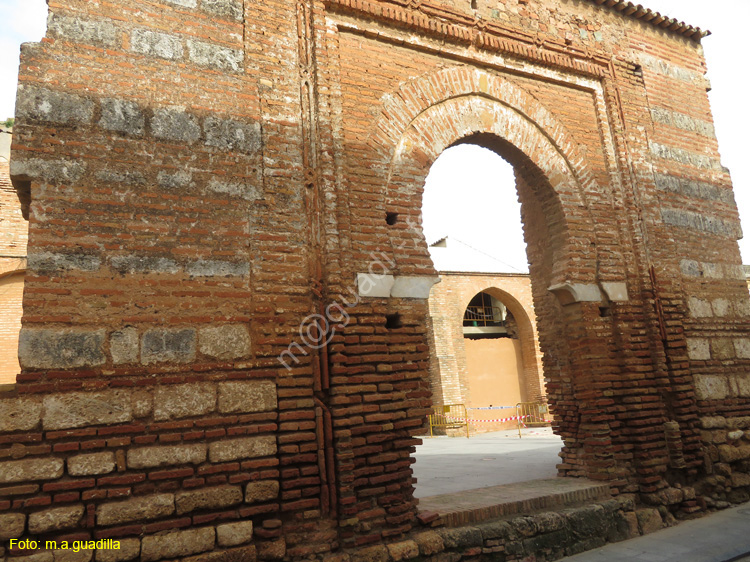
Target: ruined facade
{"type": "Point", "coordinates": [224, 343]}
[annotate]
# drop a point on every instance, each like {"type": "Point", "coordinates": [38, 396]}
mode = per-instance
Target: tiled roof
{"type": "Point", "coordinates": [638, 12]}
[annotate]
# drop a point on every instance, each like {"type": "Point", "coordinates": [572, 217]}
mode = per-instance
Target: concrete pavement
{"type": "Point", "coordinates": [723, 536]}
{"type": "Point", "coordinates": [453, 464]}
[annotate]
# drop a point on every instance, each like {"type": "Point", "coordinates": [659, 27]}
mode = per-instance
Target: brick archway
{"type": "Point", "coordinates": [458, 105]}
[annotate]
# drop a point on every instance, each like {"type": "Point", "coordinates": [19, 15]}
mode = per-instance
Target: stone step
{"type": "Point", "coordinates": [482, 504]}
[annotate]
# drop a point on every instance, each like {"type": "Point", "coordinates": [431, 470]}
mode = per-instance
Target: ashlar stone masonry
{"type": "Point", "coordinates": [224, 343]}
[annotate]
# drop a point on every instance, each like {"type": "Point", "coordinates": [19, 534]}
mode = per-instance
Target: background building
{"type": "Point", "coordinates": [486, 349]}
{"type": "Point", "coordinates": [14, 234]}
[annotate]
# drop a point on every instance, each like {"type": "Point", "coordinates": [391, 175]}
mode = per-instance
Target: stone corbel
{"type": "Point", "coordinates": [388, 286]}
{"type": "Point", "coordinates": [569, 293]}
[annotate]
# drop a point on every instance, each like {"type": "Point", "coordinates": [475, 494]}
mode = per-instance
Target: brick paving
{"type": "Point", "coordinates": [473, 506]}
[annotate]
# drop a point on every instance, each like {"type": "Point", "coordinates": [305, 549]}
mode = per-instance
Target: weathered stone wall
{"type": "Point", "coordinates": [227, 282]}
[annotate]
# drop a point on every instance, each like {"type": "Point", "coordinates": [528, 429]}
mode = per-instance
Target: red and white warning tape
{"type": "Point", "coordinates": [513, 418]}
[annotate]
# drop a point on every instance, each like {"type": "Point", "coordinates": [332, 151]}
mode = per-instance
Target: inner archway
{"type": "Point", "coordinates": [485, 344]}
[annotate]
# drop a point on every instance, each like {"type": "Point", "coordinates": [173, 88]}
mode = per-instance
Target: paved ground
{"type": "Point", "coordinates": [723, 536]}
{"type": "Point", "coordinates": [454, 464]}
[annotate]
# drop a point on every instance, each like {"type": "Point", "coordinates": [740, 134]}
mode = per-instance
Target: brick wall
{"type": "Point", "coordinates": [206, 179]}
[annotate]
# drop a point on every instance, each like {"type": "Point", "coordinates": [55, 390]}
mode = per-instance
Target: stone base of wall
{"type": "Point", "coordinates": [544, 536]}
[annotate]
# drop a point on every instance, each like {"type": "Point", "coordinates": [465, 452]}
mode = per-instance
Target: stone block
{"type": "Point", "coordinates": [132, 264]}
{"type": "Point", "coordinates": [45, 263]}
{"type": "Point", "coordinates": [135, 509]}
{"type": "Point", "coordinates": [60, 348]}
{"type": "Point", "coordinates": [123, 346]}
{"type": "Point", "coordinates": [740, 480]}
{"type": "Point", "coordinates": [215, 56]}
{"type": "Point", "coordinates": [122, 116]}
{"type": "Point", "coordinates": [740, 422]}
{"type": "Point", "coordinates": [41, 104]}
{"type": "Point", "coordinates": [57, 171]}
{"type": "Point", "coordinates": [730, 453]}
{"type": "Point", "coordinates": [166, 455]}
{"type": "Point", "coordinates": [245, 190]}
{"type": "Point", "coordinates": [272, 550]}
{"type": "Point", "coordinates": [699, 308]}
{"type": "Point", "coordinates": [721, 307]}
{"type": "Point", "coordinates": [11, 525]}
{"type": "Point", "coordinates": [80, 409]}
{"type": "Point", "coordinates": [184, 400]}
{"type": "Point", "coordinates": [143, 403]}
{"type": "Point", "coordinates": [698, 349]}
{"type": "Point", "coordinates": [127, 177]}
{"type": "Point", "coordinates": [20, 413]}
{"type": "Point", "coordinates": [742, 348]}
{"type": "Point", "coordinates": [165, 345]}
{"type": "Point", "coordinates": [722, 348]}
{"type": "Point", "coordinates": [27, 470]}
{"type": "Point", "coordinates": [70, 555]}
{"type": "Point", "coordinates": [230, 341]}
{"type": "Point", "coordinates": [174, 123]}
{"type": "Point", "coordinates": [649, 520]}
{"type": "Point", "coordinates": [177, 543]}
{"type": "Point", "coordinates": [55, 519]}
{"type": "Point", "coordinates": [375, 285]}
{"type": "Point", "coordinates": [216, 268]}
{"type": "Point", "coordinates": [130, 549]}
{"type": "Point", "coordinates": [90, 464]}
{"type": "Point", "coordinates": [713, 422]}
{"type": "Point", "coordinates": [264, 490]}
{"type": "Point", "coordinates": [46, 556]}
{"type": "Point", "coordinates": [246, 396]}
{"type": "Point", "coordinates": [234, 534]}
{"type": "Point", "coordinates": [184, 3]}
{"type": "Point", "coordinates": [242, 448]}
{"type": "Point", "coordinates": [429, 543]}
{"type": "Point", "coordinates": [155, 44]}
{"type": "Point", "coordinates": [175, 180]}
{"type": "Point", "coordinates": [711, 387]}
{"type": "Point", "coordinates": [79, 30]}
{"type": "Point", "coordinates": [461, 537]}
{"type": "Point", "coordinates": [217, 497]}
{"type": "Point", "coordinates": [239, 554]}
{"type": "Point", "coordinates": [377, 553]}
{"type": "Point", "coordinates": [231, 9]}
{"type": "Point", "coordinates": [231, 135]}
{"type": "Point", "coordinates": [413, 287]}
{"type": "Point", "coordinates": [404, 550]}
{"type": "Point", "coordinates": [743, 385]}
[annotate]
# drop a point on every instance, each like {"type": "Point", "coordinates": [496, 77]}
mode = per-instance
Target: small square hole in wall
{"type": "Point", "coordinates": [391, 218]}
{"type": "Point", "coordinates": [393, 321]}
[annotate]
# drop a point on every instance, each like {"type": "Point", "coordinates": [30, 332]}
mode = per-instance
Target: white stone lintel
{"type": "Point", "coordinates": [388, 286]}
